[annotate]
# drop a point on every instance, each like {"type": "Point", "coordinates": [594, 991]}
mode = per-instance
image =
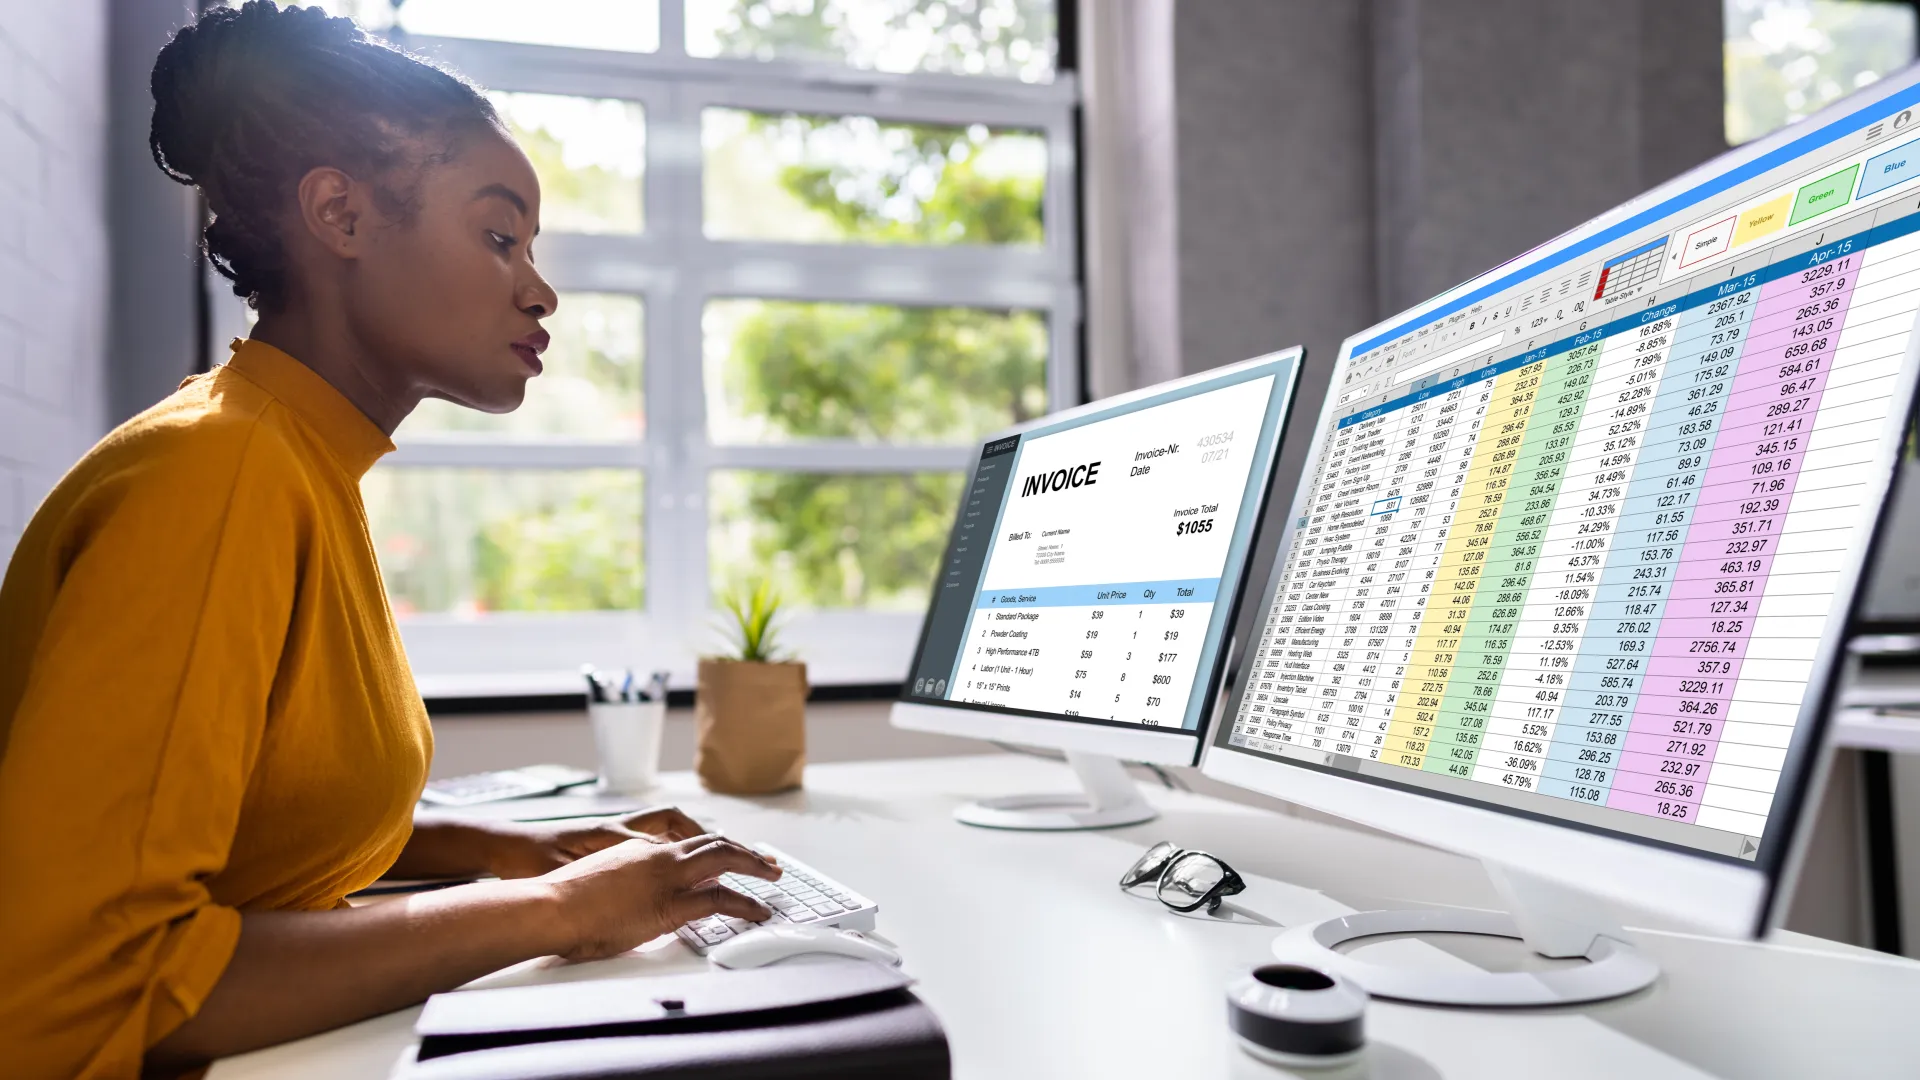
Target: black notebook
{"type": "Point", "coordinates": [815, 1016]}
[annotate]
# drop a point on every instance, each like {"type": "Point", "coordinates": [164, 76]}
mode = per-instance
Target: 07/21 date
{"type": "Point", "coordinates": [1191, 528]}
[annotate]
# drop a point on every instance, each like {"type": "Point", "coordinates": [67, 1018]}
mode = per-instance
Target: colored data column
{"type": "Point", "coordinates": [1610, 673]}
{"type": "Point", "coordinates": [1823, 524]}
{"type": "Point", "coordinates": [1557, 613]}
{"type": "Point", "coordinates": [1731, 542]}
{"type": "Point", "coordinates": [1476, 510]}
{"type": "Point", "coordinates": [1519, 721]}
{"type": "Point", "coordinates": [1487, 637]}
{"type": "Point", "coordinates": [1634, 382]}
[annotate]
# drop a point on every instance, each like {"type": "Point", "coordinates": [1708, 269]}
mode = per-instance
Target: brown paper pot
{"type": "Point", "coordinates": [753, 726]}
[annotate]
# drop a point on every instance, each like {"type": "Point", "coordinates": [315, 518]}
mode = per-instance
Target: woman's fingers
{"type": "Point", "coordinates": [664, 821]}
{"type": "Point", "coordinates": [706, 861]}
{"type": "Point", "coordinates": [717, 899]}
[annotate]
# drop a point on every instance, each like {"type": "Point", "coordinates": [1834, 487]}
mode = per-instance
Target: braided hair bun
{"type": "Point", "coordinates": [248, 100]}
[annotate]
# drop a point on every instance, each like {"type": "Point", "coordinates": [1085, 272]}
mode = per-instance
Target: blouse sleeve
{"type": "Point", "coordinates": [132, 747]}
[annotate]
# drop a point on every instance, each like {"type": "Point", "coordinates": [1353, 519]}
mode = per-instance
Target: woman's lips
{"type": "Point", "coordinates": [530, 347]}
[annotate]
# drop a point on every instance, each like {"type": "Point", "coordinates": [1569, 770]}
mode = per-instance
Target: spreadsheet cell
{"type": "Point", "coordinates": [1774, 603]}
{"type": "Point", "coordinates": [1821, 583]}
{"type": "Point", "coordinates": [1771, 649]}
{"type": "Point", "coordinates": [1713, 817]}
{"type": "Point", "coordinates": [1599, 569]}
{"type": "Point", "coordinates": [1744, 728]}
{"type": "Point", "coordinates": [1748, 756]}
{"type": "Point", "coordinates": [1845, 495]}
{"type": "Point", "coordinates": [1869, 381]}
{"type": "Point", "coordinates": [1771, 690]}
{"type": "Point", "coordinates": [1719, 795]}
{"type": "Point", "coordinates": [1743, 778]}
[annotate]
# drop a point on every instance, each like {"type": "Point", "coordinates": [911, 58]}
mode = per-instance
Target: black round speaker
{"type": "Point", "coordinates": [1297, 1016]}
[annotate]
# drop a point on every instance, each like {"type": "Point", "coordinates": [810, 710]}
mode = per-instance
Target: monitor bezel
{"type": "Point", "coordinates": [1804, 769]}
{"type": "Point", "coordinates": [1020, 723]}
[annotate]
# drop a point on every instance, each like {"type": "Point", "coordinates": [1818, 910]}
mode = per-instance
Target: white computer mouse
{"type": "Point", "coordinates": [771, 944]}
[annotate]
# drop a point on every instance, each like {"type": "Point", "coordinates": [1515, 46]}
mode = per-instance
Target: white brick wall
{"type": "Point", "coordinates": [53, 246]}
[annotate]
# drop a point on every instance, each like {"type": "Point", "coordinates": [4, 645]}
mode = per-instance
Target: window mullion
{"type": "Point", "coordinates": [673, 28]}
{"type": "Point", "coordinates": [676, 409]}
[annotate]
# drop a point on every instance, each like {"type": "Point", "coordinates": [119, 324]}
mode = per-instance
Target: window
{"type": "Point", "coordinates": [1785, 59]}
{"type": "Point", "coordinates": [808, 252]}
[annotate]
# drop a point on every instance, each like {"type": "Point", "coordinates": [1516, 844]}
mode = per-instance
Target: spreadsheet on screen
{"type": "Point", "coordinates": [1569, 540]}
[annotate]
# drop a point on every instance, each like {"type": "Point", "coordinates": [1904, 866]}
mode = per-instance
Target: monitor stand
{"type": "Point", "coordinates": [1552, 919]}
{"type": "Point", "coordinates": [1108, 798]}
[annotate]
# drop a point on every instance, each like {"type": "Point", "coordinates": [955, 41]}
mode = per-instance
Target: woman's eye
{"type": "Point", "coordinates": [504, 243]}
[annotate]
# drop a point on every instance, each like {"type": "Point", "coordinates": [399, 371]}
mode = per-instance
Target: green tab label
{"type": "Point", "coordinates": [1823, 195]}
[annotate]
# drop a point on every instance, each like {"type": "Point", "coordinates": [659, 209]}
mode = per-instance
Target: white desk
{"type": "Point", "coordinates": [1040, 967]}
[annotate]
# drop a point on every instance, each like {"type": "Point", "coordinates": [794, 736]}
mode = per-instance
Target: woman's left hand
{"type": "Point", "coordinates": [530, 849]}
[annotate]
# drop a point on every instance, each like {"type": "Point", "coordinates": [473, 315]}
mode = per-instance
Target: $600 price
{"type": "Point", "coordinates": [1189, 528]}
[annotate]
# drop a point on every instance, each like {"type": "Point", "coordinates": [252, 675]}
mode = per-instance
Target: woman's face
{"type": "Point", "coordinates": [450, 297]}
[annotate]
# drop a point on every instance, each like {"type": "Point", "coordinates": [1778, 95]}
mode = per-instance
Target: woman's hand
{"type": "Point", "coordinates": [294, 973]}
{"type": "Point", "coordinates": [532, 849]}
{"type": "Point", "coordinates": [618, 897]}
{"type": "Point", "coordinates": [445, 845]}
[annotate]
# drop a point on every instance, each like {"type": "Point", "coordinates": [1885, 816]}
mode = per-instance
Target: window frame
{"type": "Point", "coordinates": [1910, 5]}
{"type": "Point", "coordinates": [676, 270]}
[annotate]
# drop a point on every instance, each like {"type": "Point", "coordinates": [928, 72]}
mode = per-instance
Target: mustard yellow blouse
{"type": "Point", "coordinates": [204, 709]}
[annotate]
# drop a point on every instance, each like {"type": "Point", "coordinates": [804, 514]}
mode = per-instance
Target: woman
{"type": "Point", "coordinates": [208, 733]}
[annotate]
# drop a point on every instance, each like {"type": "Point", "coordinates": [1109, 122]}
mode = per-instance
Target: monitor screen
{"type": "Point", "coordinates": [1569, 538]}
{"type": "Point", "coordinates": [1095, 557]}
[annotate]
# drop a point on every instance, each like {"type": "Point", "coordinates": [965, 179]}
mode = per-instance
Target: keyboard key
{"type": "Point", "coordinates": [826, 907]}
{"type": "Point", "coordinates": [802, 915]}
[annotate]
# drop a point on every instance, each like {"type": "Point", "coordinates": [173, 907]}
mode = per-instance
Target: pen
{"type": "Point", "coordinates": [596, 693]}
{"type": "Point", "coordinates": [626, 687]}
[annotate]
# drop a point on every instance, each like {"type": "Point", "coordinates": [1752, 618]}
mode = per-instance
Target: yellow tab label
{"type": "Point", "coordinates": [1760, 220]}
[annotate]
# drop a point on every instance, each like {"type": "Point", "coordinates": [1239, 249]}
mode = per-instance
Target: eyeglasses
{"type": "Point", "coordinates": [1184, 880]}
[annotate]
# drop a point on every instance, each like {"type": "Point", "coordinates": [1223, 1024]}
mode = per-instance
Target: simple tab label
{"type": "Point", "coordinates": [1895, 167]}
{"type": "Point", "coordinates": [1758, 221]}
{"type": "Point", "coordinates": [1824, 194]}
{"type": "Point", "coordinates": [1707, 242]}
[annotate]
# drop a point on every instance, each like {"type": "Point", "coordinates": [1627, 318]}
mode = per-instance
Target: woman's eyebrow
{"type": "Point", "coordinates": [502, 191]}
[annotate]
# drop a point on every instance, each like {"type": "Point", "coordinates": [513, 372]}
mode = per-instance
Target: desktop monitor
{"type": "Point", "coordinates": [1565, 579]}
{"type": "Point", "coordinates": [1090, 582]}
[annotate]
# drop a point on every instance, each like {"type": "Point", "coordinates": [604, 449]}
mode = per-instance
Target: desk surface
{"type": "Point", "coordinates": [1040, 967]}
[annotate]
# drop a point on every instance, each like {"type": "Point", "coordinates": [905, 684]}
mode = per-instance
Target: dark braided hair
{"type": "Point", "coordinates": [248, 100]}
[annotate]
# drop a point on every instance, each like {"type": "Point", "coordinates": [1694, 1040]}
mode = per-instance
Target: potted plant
{"type": "Point", "coordinates": [751, 704]}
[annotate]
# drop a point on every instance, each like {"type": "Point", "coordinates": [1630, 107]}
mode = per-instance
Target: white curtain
{"type": "Point", "coordinates": [1132, 237]}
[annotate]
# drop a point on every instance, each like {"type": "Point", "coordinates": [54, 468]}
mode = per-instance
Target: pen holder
{"type": "Point", "coordinates": [626, 736]}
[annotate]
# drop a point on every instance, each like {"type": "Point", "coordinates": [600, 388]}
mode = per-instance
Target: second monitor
{"type": "Point", "coordinates": [1090, 583]}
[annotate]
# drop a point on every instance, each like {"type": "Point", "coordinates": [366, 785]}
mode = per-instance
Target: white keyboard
{"type": "Point", "coordinates": [803, 896]}
{"type": "Point", "coordinates": [503, 785]}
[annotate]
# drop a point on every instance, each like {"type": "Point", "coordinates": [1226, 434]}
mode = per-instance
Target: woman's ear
{"type": "Point", "coordinates": [333, 209]}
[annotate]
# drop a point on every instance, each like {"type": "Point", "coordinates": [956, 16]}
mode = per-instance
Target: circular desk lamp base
{"type": "Point", "coordinates": [1052, 812]}
{"type": "Point", "coordinates": [1615, 968]}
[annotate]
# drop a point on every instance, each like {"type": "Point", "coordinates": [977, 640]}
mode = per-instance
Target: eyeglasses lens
{"type": "Point", "coordinates": [1150, 865]}
{"type": "Point", "coordinates": [1190, 879]}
